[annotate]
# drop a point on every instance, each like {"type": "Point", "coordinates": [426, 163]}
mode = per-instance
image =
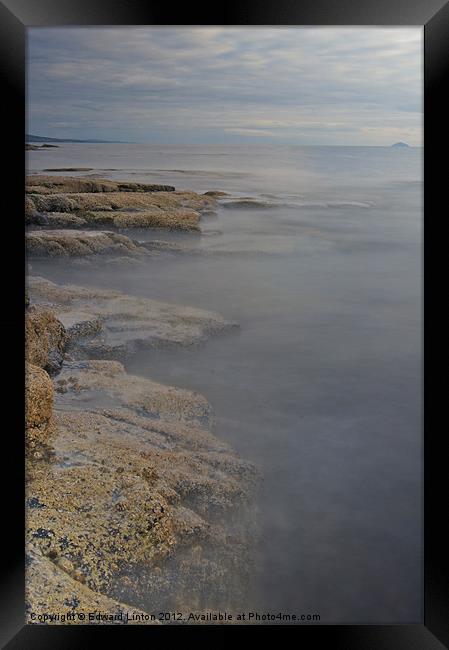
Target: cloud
{"type": "Point", "coordinates": [339, 85]}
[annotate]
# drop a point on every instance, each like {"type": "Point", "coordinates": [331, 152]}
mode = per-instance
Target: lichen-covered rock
{"type": "Point", "coordinates": [120, 324]}
{"type": "Point", "coordinates": [67, 600]}
{"type": "Point", "coordinates": [176, 219]}
{"type": "Point", "coordinates": [45, 339]}
{"type": "Point", "coordinates": [38, 405]}
{"type": "Point", "coordinates": [67, 184]}
{"type": "Point", "coordinates": [132, 502]}
{"type": "Point", "coordinates": [79, 243]}
{"type": "Point", "coordinates": [51, 203]}
{"type": "Point", "coordinates": [57, 220]}
{"type": "Point", "coordinates": [105, 201]}
{"type": "Point", "coordinates": [30, 210]}
{"type": "Point", "coordinates": [139, 501]}
{"type": "Point", "coordinates": [119, 204]}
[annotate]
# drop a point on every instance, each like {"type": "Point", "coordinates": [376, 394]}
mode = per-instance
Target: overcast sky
{"type": "Point", "coordinates": [318, 85]}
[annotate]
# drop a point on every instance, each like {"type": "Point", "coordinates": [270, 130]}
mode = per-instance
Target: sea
{"type": "Point", "coordinates": [317, 253]}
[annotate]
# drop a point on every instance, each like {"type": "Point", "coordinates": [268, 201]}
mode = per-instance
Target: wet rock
{"type": "Point", "coordinates": [127, 322]}
{"type": "Point", "coordinates": [39, 219]}
{"type": "Point", "coordinates": [68, 169]}
{"type": "Point", "coordinates": [81, 324]}
{"type": "Point", "coordinates": [78, 243]}
{"type": "Point", "coordinates": [141, 395]}
{"type": "Point", "coordinates": [249, 203]}
{"type": "Point", "coordinates": [36, 147]}
{"type": "Point", "coordinates": [215, 193]}
{"type": "Point", "coordinates": [160, 246]}
{"type": "Point", "coordinates": [59, 220]}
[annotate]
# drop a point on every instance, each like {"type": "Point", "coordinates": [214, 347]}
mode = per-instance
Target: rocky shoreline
{"type": "Point", "coordinates": [133, 505]}
{"type": "Point", "coordinates": [93, 203]}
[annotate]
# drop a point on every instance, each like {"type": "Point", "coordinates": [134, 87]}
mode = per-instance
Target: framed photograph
{"type": "Point", "coordinates": [223, 257]}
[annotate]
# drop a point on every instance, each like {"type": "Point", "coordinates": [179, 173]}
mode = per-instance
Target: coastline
{"type": "Point", "coordinates": [132, 503]}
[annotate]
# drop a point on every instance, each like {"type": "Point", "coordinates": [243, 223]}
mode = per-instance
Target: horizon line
{"type": "Point", "coordinates": [87, 140]}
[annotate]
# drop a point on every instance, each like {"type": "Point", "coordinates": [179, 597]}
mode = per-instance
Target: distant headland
{"type": "Point", "coordinates": [40, 138]}
{"type": "Point", "coordinates": [400, 145]}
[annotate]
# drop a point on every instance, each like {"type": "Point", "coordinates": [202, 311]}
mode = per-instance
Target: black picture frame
{"type": "Point", "coordinates": [15, 17]}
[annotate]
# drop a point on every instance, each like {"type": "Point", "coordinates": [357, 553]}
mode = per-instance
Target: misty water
{"type": "Point", "coordinates": [321, 384]}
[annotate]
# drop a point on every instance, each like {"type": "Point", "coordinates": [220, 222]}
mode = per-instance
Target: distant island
{"type": "Point", "coordinates": [400, 145]}
{"type": "Point", "coordinates": [40, 138]}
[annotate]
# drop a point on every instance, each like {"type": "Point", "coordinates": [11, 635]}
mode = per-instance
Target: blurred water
{"type": "Point", "coordinates": [321, 385]}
